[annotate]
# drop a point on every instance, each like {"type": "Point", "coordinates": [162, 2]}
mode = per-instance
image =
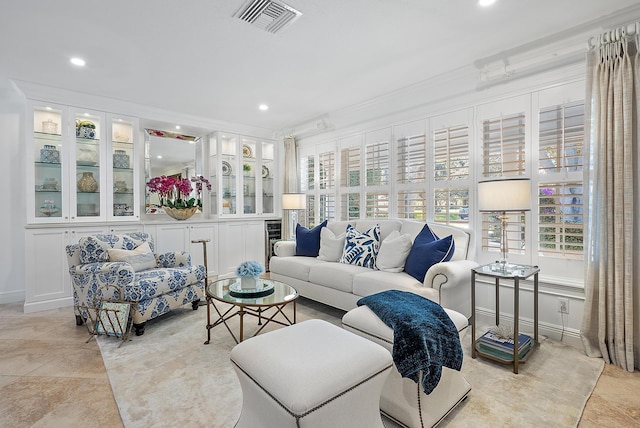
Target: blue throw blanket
{"type": "Point", "coordinates": [424, 337]}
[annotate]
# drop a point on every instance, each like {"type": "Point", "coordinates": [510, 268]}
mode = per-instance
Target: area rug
{"type": "Point", "coordinates": [168, 377]}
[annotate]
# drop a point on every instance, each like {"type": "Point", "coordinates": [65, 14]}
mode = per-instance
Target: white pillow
{"type": "Point", "coordinates": [331, 246]}
{"type": "Point", "coordinates": [140, 258]}
{"type": "Point", "coordinates": [393, 252]}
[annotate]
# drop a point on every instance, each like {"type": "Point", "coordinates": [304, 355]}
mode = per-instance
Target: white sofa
{"type": "Point", "coordinates": [341, 285]}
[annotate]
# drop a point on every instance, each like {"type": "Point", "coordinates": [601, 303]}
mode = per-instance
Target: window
{"type": "Point", "coordinates": [451, 206]}
{"type": "Point", "coordinates": [377, 166]}
{"type": "Point", "coordinates": [350, 167]}
{"type": "Point", "coordinates": [451, 153]}
{"type": "Point", "coordinates": [451, 175]}
{"type": "Point", "coordinates": [561, 138]}
{"type": "Point", "coordinates": [327, 170]}
{"type": "Point", "coordinates": [311, 211]}
{"type": "Point", "coordinates": [560, 226]}
{"type": "Point", "coordinates": [560, 193]}
{"type": "Point", "coordinates": [411, 159]}
{"type": "Point", "coordinates": [327, 207]}
{"type": "Point", "coordinates": [503, 146]}
{"type": "Point", "coordinates": [377, 204]}
{"type": "Point", "coordinates": [307, 171]}
{"type": "Point", "coordinates": [350, 207]}
{"type": "Point", "coordinates": [503, 156]}
{"type": "Point", "coordinates": [411, 204]}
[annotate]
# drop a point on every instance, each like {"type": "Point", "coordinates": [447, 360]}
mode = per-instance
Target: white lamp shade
{"type": "Point", "coordinates": [294, 201]}
{"type": "Point", "coordinates": [504, 195]}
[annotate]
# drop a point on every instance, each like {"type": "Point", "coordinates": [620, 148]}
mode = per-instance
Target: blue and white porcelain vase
{"type": "Point", "coordinates": [49, 154]}
{"type": "Point", "coordinates": [121, 159]}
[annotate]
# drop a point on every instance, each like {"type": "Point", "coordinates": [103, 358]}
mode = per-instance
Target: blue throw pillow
{"type": "Point", "coordinates": [423, 255]}
{"type": "Point", "coordinates": [425, 236]}
{"type": "Point", "coordinates": [308, 240]}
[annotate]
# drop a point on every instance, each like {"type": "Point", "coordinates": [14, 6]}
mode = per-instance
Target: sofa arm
{"type": "Point", "coordinates": [285, 248]}
{"type": "Point", "coordinates": [453, 282]}
{"type": "Point", "coordinates": [173, 259]}
{"type": "Point", "coordinates": [88, 278]}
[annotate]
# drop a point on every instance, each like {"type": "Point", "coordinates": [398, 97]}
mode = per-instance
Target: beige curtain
{"type": "Point", "coordinates": [608, 325]}
{"type": "Point", "coordinates": [290, 177]}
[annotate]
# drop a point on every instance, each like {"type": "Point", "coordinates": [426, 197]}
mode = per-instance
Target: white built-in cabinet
{"type": "Point", "coordinates": [81, 165]}
{"type": "Point", "coordinates": [48, 283]}
{"type": "Point", "coordinates": [243, 175]}
{"type": "Point", "coordinates": [241, 241]}
{"type": "Point", "coordinates": [177, 236]}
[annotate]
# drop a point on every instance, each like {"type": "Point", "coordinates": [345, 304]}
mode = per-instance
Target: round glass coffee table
{"type": "Point", "coordinates": [256, 304]}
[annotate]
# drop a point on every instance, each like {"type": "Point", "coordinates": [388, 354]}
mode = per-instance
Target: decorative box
{"type": "Point", "coordinates": [120, 159]}
{"type": "Point", "coordinates": [49, 154]}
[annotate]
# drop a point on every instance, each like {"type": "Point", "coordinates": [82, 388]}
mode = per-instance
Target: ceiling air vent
{"type": "Point", "coordinates": [268, 15]}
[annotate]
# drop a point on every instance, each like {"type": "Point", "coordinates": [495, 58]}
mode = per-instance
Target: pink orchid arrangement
{"type": "Point", "coordinates": [176, 192]}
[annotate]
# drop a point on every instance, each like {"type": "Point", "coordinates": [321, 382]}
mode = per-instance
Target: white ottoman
{"type": "Point", "coordinates": [311, 374]}
{"type": "Point", "coordinates": [402, 399]}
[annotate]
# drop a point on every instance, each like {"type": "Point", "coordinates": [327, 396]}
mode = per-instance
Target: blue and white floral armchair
{"type": "Point", "coordinates": [154, 291]}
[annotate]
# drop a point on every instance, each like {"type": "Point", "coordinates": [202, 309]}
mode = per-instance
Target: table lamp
{"type": "Point", "coordinates": [293, 202]}
{"type": "Point", "coordinates": [504, 196]}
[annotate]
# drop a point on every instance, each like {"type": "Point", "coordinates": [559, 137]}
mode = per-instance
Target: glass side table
{"type": "Point", "coordinates": [514, 273]}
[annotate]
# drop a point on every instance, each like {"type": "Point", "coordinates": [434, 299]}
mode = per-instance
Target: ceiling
{"type": "Point", "coordinates": [195, 58]}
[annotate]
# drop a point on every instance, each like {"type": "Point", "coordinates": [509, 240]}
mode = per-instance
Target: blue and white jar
{"type": "Point", "coordinates": [121, 159]}
{"type": "Point", "coordinates": [49, 154]}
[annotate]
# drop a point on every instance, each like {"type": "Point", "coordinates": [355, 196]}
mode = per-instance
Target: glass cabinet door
{"type": "Point", "coordinates": [250, 173]}
{"type": "Point", "coordinates": [229, 173]}
{"type": "Point", "coordinates": [124, 204]}
{"type": "Point", "coordinates": [268, 171]}
{"type": "Point", "coordinates": [49, 179]}
{"type": "Point", "coordinates": [89, 204]}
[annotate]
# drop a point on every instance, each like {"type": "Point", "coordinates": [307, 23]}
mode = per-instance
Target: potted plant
{"type": "Point", "coordinates": [177, 194]}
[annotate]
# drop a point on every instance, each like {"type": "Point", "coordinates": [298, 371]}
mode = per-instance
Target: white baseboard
{"type": "Point", "coordinates": [11, 297]}
{"type": "Point", "coordinates": [570, 336]}
{"type": "Point", "coordinates": [47, 305]}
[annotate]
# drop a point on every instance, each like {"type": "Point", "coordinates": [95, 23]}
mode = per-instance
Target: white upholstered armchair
{"type": "Point", "coordinates": [155, 283]}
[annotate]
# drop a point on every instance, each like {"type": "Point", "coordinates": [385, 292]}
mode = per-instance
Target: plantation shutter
{"type": "Point", "coordinates": [560, 226]}
{"type": "Point", "coordinates": [350, 167]}
{"type": "Point", "coordinates": [503, 146]}
{"type": "Point", "coordinates": [377, 204]}
{"type": "Point", "coordinates": [561, 138]}
{"type": "Point", "coordinates": [412, 204]}
{"type": "Point", "coordinates": [350, 206]}
{"type": "Point", "coordinates": [327, 170]}
{"type": "Point", "coordinates": [411, 159]}
{"type": "Point", "coordinates": [377, 163]}
{"type": "Point", "coordinates": [451, 153]}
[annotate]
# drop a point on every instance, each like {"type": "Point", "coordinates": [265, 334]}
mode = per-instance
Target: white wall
{"type": "Point", "coordinates": [12, 214]}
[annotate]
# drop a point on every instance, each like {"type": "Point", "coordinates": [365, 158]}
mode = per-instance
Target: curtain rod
{"type": "Point", "coordinates": [614, 35]}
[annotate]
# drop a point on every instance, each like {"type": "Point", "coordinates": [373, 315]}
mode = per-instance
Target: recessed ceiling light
{"type": "Point", "coordinates": [48, 108]}
{"type": "Point", "coordinates": [263, 107]}
{"type": "Point", "coordinates": [159, 156]}
{"type": "Point", "coordinates": [485, 3]}
{"type": "Point", "coordinates": [177, 126]}
{"type": "Point", "coordinates": [78, 61]}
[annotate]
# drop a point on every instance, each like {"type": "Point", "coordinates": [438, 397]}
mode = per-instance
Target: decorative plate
{"type": "Point", "coordinates": [265, 172]}
{"type": "Point", "coordinates": [236, 290]}
{"type": "Point", "coordinates": [226, 168]}
{"type": "Point", "coordinates": [246, 151]}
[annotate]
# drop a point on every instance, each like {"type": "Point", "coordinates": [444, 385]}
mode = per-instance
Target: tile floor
{"type": "Point", "coordinates": [49, 377]}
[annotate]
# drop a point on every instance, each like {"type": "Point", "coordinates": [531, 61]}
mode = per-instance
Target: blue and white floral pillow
{"type": "Point", "coordinates": [94, 248]}
{"type": "Point", "coordinates": [361, 248]}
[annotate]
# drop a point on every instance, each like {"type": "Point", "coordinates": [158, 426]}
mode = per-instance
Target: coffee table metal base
{"type": "Point", "coordinates": [242, 310]}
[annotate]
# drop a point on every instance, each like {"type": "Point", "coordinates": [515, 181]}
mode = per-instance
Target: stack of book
{"type": "Point", "coordinates": [502, 348]}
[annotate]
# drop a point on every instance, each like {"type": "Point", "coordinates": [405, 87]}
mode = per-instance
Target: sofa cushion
{"type": "Point", "coordinates": [140, 258]}
{"type": "Point", "coordinates": [155, 282]}
{"type": "Point", "coordinates": [338, 276]}
{"type": "Point", "coordinates": [308, 240]}
{"type": "Point", "coordinates": [361, 248]}
{"type": "Point", "coordinates": [393, 252]}
{"type": "Point", "coordinates": [331, 246]}
{"type": "Point", "coordinates": [371, 282]}
{"type": "Point", "coordinates": [423, 255]}
{"type": "Point", "coordinates": [294, 266]}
